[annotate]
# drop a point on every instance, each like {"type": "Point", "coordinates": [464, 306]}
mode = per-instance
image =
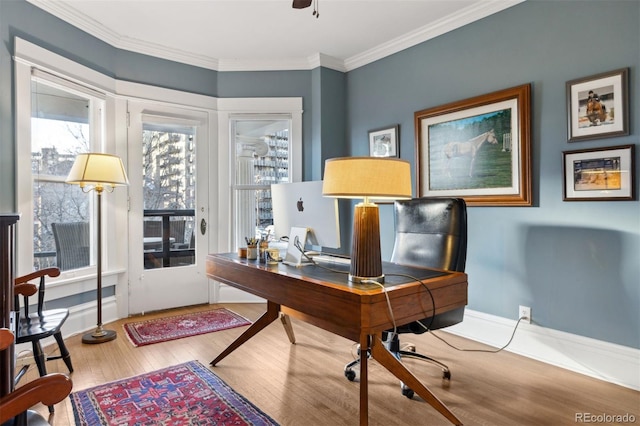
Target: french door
{"type": "Point", "coordinates": [168, 211]}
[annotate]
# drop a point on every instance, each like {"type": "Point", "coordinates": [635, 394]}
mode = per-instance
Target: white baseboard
{"type": "Point", "coordinates": [228, 294]}
{"type": "Point", "coordinates": [606, 361]}
{"type": "Point", "coordinates": [595, 358]}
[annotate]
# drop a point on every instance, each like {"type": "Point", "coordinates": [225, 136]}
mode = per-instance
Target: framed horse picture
{"type": "Point", "coordinates": [598, 106]}
{"type": "Point", "coordinates": [477, 149]}
{"type": "Point", "coordinates": [599, 174]}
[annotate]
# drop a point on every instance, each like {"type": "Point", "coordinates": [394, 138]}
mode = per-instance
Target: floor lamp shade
{"type": "Point", "coordinates": [97, 169]}
{"type": "Point", "coordinates": [97, 172]}
{"type": "Point", "coordinates": [370, 179]}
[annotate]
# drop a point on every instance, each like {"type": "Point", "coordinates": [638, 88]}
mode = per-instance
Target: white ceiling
{"type": "Point", "coordinates": [238, 35]}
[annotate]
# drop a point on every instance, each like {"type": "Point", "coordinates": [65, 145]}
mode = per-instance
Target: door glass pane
{"type": "Point", "coordinates": [263, 151]}
{"type": "Point", "coordinates": [168, 157]}
{"type": "Point", "coordinates": [60, 129]}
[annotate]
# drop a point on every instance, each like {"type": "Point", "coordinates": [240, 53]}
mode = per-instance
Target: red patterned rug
{"type": "Point", "coordinates": [186, 394]}
{"type": "Point", "coordinates": [175, 327]}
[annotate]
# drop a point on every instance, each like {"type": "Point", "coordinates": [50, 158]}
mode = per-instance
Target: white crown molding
{"type": "Point", "coordinates": [263, 65]}
{"type": "Point", "coordinates": [168, 53]}
{"type": "Point", "coordinates": [96, 29]}
{"type": "Point", "coordinates": [320, 59]}
{"type": "Point", "coordinates": [428, 32]}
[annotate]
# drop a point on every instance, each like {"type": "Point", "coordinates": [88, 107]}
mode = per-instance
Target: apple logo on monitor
{"type": "Point", "coordinates": [299, 205]}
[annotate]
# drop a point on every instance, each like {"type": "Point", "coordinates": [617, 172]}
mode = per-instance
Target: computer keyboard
{"type": "Point", "coordinates": [325, 258]}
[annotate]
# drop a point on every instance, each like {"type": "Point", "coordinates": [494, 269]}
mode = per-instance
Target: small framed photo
{"type": "Point", "coordinates": [600, 174]}
{"type": "Point", "coordinates": [598, 106]}
{"type": "Point", "coordinates": [384, 142]}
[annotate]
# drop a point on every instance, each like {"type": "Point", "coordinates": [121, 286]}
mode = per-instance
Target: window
{"type": "Point", "coordinates": [65, 120]}
{"type": "Point", "coordinates": [169, 194]}
{"type": "Point", "coordinates": [262, 157]}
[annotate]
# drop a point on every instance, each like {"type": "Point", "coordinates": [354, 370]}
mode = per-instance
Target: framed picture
{"type": "Point", "coordinates": [600, 174]}
{"type": "Point", "coordinates": [384, 142]}
{"type": "Point", "coordinates": [477, 149]}
{"type": "Point", "coordinates": [598, 106]}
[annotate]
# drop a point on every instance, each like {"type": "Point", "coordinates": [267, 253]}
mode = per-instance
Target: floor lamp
{"type": "Point", "coordinates": [98, 172]}
{"type": "Point", "coordinates": [367, 178]}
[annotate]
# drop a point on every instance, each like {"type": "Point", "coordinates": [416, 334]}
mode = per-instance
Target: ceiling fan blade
{"type": "Point", "coordinates": [301, 4]}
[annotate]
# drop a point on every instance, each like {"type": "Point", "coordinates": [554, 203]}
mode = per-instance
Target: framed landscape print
{"type": "Point", "coordinates": [601, 174]}
{"type": "Point", "coordinates": [598, 106]}
{"type": "Point", "coordinates": [477, 149]}
{"type": "Point", "coordinates": [384, 142]}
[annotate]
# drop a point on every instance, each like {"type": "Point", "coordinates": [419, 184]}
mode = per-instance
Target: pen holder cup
{"type": "Point", "coordinates": [252, 252]}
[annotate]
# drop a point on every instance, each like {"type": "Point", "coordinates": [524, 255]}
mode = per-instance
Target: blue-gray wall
{"type": "Point", "coordinates": [575, 263]}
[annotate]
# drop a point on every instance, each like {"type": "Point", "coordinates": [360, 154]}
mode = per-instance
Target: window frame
{"type": "Point", "coordinates": [96, 123]}
{"type": "Point", "coordinates": [243, 188]}
{"type": "Point", "coordinates": [247, 108]}
{"type": "Point", "coordinates": [32, 61]}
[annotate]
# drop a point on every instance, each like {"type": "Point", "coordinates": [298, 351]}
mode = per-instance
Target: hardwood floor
{"type": "Point", "coordinates": [304, 384]}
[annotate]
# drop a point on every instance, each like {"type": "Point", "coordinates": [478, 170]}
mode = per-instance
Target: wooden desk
{"type": "Point", "coordinates": [357, 312]}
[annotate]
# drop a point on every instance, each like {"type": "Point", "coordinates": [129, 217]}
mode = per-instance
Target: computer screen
{"type": "Point", "coordinates": [301, 204]}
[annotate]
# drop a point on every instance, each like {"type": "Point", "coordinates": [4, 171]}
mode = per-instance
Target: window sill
{"type": "Point", "coordinates": [80, 281]}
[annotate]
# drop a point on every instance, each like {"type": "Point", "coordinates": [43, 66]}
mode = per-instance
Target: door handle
{"type": "Point", "coordinates": [203, 226]}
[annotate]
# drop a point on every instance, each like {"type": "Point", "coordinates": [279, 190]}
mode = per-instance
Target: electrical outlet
{"type": "Point", "coordinates": [524, 312]}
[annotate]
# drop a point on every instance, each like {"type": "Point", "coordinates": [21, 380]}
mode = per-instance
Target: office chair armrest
{"type": "Point", "coordinates": [48, 390]}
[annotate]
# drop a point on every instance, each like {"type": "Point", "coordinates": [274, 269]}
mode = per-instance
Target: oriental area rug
{"type": "Point", "coordinates": [185, 394]}
{"type": "Point", "coordinates": [175, 327]}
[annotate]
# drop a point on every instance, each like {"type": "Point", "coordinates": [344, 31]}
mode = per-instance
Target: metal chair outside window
{"type": "Point", "coordinates": [73, 241]}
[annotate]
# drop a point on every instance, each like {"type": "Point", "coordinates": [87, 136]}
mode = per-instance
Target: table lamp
{"type": "Point", "coordinates": [372, 179]}
{"type": "Point", "coordinates": [98, 172]}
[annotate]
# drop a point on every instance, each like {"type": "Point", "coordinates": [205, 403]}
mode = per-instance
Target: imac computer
{"type": "Point", "coordinates": [302, 205]}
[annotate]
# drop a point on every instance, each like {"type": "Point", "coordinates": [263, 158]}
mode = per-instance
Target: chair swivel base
{"type": "Point", "coordinates": [350, 373]}
{"type": "Point", "coordinates": [446, 373]}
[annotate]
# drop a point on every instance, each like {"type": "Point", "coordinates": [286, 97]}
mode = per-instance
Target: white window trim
{"type": "Point", "coordinates": [116, 92]}
{"type": "Point", "coordinates": [229, 109]}
{"type": "Point", "coordinates": [27, 57]}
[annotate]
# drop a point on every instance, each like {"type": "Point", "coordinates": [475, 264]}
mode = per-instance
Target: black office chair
{"type": "Point", "coordinates": [430, 232]}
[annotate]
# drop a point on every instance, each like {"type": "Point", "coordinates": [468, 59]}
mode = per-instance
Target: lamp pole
{"type": "Point", "coordinates": [99, 335]}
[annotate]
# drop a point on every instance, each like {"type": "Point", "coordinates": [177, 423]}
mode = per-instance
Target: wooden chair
{"type": "Point", "coordinates": [34, 326]}
{"type": "Point", "coordinates": [48, 390]}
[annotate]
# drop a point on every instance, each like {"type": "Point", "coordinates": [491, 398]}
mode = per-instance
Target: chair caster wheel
{"type": "Point", "coordinates": [350, 375]}
{"type": "Point", "coordinates": [407, 392]}
{"type": "Point", "coordinates": [446, 375]}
